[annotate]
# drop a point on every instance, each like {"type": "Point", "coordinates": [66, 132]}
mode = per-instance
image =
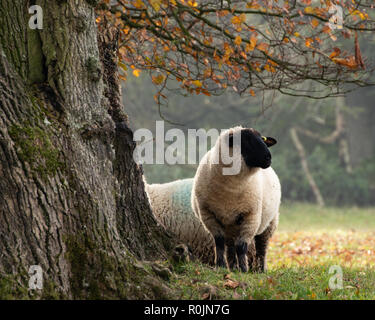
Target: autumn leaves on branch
{"type": "Point", "coordinates": [250, 46]}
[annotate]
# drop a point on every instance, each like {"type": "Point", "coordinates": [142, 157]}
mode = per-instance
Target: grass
{"type": "Point", "coordinates": [309, 243]}
{"type": "Point", "coordinates": [308, 217]}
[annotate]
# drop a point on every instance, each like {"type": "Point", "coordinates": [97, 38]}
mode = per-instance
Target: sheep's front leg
{"type": "Point", "coordinates": [216, 229]}
{"type": "Point", "coordinates": [247, 233]}
{"type": "Point", "coordinates": [261, 245]}
{"type": "Point", "coordinates": [241, 250]}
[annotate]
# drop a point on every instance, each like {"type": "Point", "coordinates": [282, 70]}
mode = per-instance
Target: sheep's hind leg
{"type": "Point", "coordinates": [251, 255]}
{"type": "Point", "coordinates": [231, 254]}
{"type": "Point", "coordinates": [220, 249]}
{"type": "Point", "coordinates": [261, 245]}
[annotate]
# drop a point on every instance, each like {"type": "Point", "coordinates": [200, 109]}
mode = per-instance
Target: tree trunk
{"type": "Point", "coordinates": [72, 199]}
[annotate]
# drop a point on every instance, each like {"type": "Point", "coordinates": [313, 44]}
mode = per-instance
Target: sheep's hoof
{"type": "Point", "coordinates": [256, 270]}
{"type": "Point", "coordinates": [260, 266]}
{"type": "Point", "coordinates": [221, 267]}
{"type": "Point", "coordinates": [260, 269]}
{"type": "Point", "coordinates": [221, 264]}
{"type": "Point", "coordinates": [244, 268]}
{"type": "Point", "coordinates": [233, 267]}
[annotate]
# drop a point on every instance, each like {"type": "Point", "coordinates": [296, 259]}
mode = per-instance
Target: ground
{"type": "Point", "coordinates": [309, 248]}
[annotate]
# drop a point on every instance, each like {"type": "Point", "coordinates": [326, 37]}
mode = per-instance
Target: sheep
{"type": "Point", "coordinates": [171, 206]}
{"type": "Point", "coordinates": [242, 210]}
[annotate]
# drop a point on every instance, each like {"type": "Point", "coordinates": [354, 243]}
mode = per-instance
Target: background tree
{"type": "Point", "coordinates": [71, 198]}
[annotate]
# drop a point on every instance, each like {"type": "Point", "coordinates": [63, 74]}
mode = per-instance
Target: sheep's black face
{"type": "Point", "coordinates": [254, 148]}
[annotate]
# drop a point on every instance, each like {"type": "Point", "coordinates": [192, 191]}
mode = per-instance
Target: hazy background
{"type": "Point", "coordinates": [343, 170]}
{"type": "Point", "coordinates": [310, 238]}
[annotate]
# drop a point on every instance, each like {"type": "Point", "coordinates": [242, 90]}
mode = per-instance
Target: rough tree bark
{"type": "Point", "coordinates": [72, 199]}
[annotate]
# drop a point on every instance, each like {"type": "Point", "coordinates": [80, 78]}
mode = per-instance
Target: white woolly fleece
{"type": "Point", "coordinates": [171, 205]}
{"type": "Point", "coordinates": [254, 193]}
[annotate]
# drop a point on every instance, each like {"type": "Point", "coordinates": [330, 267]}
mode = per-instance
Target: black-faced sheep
{"type": "Point", "coordinates": [242, 209]}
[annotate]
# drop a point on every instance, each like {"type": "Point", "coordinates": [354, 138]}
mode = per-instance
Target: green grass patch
{"type": "Point", "coordinates": [302, 216]}
{"type": "Point", "coordinates": [197, 281]}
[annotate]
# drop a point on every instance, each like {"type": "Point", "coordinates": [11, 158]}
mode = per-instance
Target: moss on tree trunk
{"type": "Point", "coordinates": [72, 199]}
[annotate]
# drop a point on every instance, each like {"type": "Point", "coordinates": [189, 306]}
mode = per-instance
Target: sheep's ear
{"type": "Point", "coordinates": [269, 141]}
{"type": "Point", "coordinates": [231, 140]}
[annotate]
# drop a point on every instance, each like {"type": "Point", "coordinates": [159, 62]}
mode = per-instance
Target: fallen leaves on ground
{"type": "Point", "coordinates": [348, 247]}
{"type": "Point", "coordinates": [231, 284]}
{"type": "Point", "coordinates": [299, 267]}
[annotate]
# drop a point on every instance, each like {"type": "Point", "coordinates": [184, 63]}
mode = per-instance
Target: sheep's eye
{"type": "Point", "coordinates": [264, 138]}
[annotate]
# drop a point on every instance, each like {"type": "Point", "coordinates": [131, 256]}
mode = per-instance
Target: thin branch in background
{"type": "Point", "coordinates": [302, 154]}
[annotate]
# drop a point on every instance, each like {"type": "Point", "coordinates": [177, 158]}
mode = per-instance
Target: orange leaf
{"type": "Point", "coordinates": [253, 42]}
{"type": "Point", "coordinates": [155, 4]}
{"type": "Point", "coordinates": [335, 53]}
{"type": "Point", "coordinates": [309, 10]}
{"type": "Point", "coordinates": [314, 22]}
{"type": "Point", "coordinates": [309, 42]}
{"type": "Point", "coordinates": [347, 62]}
{"type": "Point", "coordinates": [238, 40]}
{"type": "Point", "coordinates": [250, 5]}
{"type": "Point", "coordinates": [138, 4]}
{"type": "Point", "coordinates": [197, 83]}
{"type": "Point", "coordinates": [262, 46]}
{"type": "Point", "coordinates": [136, 72]}
{"type": "Point", "coordinates": [235, 20]}
{"type": "Point", "coordinates": [192, 3]}
{"type": "Point", "coordinates": [326, 29]}
{"type": "Point", "coordinates": [223, 13]}
{"type": "Point", "coordinates": [231, 284]}
{"type": "Point", "coordinates": [122, 66]}
{"type": "Point", "coordinates": [239, 19]}
{"type": "Point", "coordinates": [158, 79]}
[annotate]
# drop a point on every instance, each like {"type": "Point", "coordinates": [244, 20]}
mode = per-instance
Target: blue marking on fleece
{"type": "Point", "coordinates": [181, 197]}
